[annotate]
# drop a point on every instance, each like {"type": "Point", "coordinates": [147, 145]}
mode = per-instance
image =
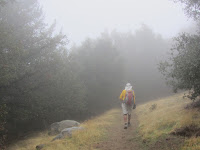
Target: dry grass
{"type": "Point", "coordinates": [192, 144]}
{"type": "Point", "coordinates": [95, 131]}
{"type": "Point", "coordinates": [156, 118]}
{"type": "Point", "coordinates": [168, 115]}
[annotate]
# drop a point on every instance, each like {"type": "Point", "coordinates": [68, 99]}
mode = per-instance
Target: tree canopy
{"type": "Point", "coordinates": [182, 69]}
{"type": "Point", "coordinates": [35, 75]}
{"type": "Point", "coordinates": [192, 8]}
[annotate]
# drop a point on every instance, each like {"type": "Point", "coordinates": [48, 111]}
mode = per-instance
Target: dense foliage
{"type": "Point", "coordinates": [182, 70]}
{"type": "Point", "coordinates": [101, 69]}
{"type": "Point", "coordinates": [35, 71]}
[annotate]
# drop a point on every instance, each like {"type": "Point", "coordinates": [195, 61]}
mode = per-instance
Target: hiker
{"type": "Point", "coordinates": [127, 98]}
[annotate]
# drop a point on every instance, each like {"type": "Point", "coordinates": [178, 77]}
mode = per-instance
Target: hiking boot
{"type": "Point", "coordinates": [129, 124]}
{"type": "Point", "coordinates": [125, 126]}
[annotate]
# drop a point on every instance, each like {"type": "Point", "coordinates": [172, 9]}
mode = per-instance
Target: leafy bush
{"type": "Point", "coordinates": [182, 69]}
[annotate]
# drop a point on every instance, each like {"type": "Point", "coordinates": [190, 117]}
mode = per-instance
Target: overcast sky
{"type": "Point", "coordinates": [80, 19]}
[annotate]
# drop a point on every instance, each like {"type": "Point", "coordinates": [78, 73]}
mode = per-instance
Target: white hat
{"type": "Point", "coordinates": [128, 87]}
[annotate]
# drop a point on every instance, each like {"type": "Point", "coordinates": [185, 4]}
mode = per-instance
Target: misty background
{"type": "Point", "coordinates": [88, 18]}
{"type": "Point", "coordinates": [48, 75]}
{"type": "Point", "coordinates": [142, 30]}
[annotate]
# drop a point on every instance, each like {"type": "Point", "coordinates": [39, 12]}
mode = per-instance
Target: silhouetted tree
{"type": "Point", "coordinates": [101, 69]}
{"type": "Point", "coordinates": [141, 51]}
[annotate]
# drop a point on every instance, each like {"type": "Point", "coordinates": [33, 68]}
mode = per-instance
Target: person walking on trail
{"type": "Point", "coordinates": [127, 98]}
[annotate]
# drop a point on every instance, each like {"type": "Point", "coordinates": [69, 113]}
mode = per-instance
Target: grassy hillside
{"type": "Point", "coordinates": [94, 132]}
{"type": "Point", "coordinates": [157, 121]}
{"type": "Point", "coordinates": [164, 116]}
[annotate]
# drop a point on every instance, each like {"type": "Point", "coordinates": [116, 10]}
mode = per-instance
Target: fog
{"type": "Point", "coordinates": [88, 18]}
{"type": "Point", "coordinates": [142, 29]}
{"type": "Point", "coordinates": [133, 57]}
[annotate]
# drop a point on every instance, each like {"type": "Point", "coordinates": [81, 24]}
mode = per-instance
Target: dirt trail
{"type": "Point", "coordinates": [120, 138]}
{"type": "Point", "coordinates": [129, 139]}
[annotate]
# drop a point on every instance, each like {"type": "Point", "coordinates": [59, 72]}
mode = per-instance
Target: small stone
{"type": "Point", "coordinates": [39, 147]}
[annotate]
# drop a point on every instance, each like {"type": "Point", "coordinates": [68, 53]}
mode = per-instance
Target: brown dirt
{"type": "Point", "coordinates": [120, 138]}
{"type": "Point", "coordinates": [130, 139]}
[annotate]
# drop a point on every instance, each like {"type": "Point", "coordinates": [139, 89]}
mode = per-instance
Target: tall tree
{"type": "Point", "coordinates": [141, 51]}
{"type": "Point", "coordinates": [101, 69]}
{"type": "Point", "coordinates": [37, 84]}
{"type": "Point", "coordinates": [182, 69]}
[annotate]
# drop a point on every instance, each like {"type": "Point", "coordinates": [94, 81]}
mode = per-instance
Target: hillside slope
{"type": "Point", "coordinates": [154, 125]}
{"type": "Point", "coordinates": [169, 123]}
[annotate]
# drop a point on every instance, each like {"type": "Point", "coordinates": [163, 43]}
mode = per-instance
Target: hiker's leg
{"type": "Point", "coordinates": [129, 114]}
{"type": "Point", "coordinates": [125, 118]}
{"type": "Point", "coordinates": [129, 118]}
{"type": "Point", "coordinates": [125, 121]}
{"type": "Point", "coordinates": [125, 112]}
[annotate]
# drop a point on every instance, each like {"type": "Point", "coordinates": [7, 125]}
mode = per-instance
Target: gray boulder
{"type": "Point", "coordinates": [58, 137]}
{"type": "Point", "coordinates": [39, 147]}
{"type": "Point", "coordinates": [67, 132]}
{"type": "Point", "coordinates": [57, 127]}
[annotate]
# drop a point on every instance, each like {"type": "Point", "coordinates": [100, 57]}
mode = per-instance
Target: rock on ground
{"type": "Point", "coordinates": [66, 132]}
{"type": "Point", "coordinates": [39, 147]}
{"type": "Point", "coordinates": [57, 127]}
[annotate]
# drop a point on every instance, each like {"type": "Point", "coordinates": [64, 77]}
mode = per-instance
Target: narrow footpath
{"type": "Point", "coordinates": [120, 138]}
{"type": "Point", "coordinates": [130, 139]}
